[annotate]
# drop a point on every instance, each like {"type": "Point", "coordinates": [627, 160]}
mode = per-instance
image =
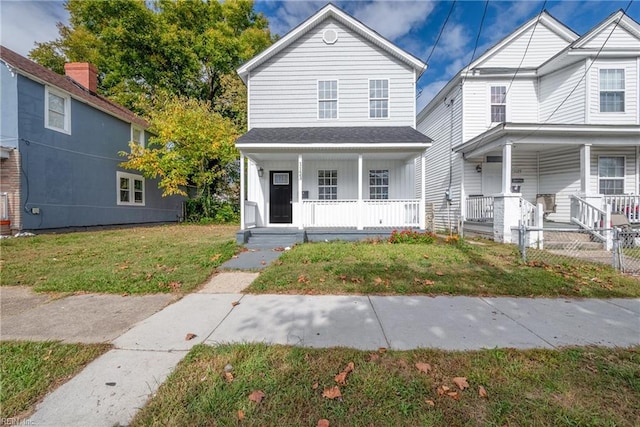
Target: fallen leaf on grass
{"type": "Point", "coordinates": [332, 393]}
{"type": "Point", "coordinates": [382, 350]}
{"type": "Point", "coordinates": [323, 423]}
{"type": "Point", "coordinates": [341, 378]}
{"type": "Point", "coordinates": [454, 395]}
{"type": "Point", "coordinates": [189, 336]}
{"type": "Point", "coordinates": [228, 376]}
{"type": "Point", "coordinates": [234, 303]}
{"type": "Point", "coordinates": [240, 415]}
{"type": "Point", "coordinates": [482, 392]}
{"type": "Point", "coordinates": [377, 280]}
{"type": "Point", "coordinates": [439, 273]}
{"type": "Point", "coordinates": [315, 386]}
{"type": "Point", "coordinates": [423, 367]}
{"type": "Point", "coordinates": [430, 402]}
{"type": "Point", "coordinates": [461, 382]}
{"type": "Point", "coordinates": [48, 355]}
{"type": "Point", "coordinates": [257, 396]}
{"type": "Point", "coordinates": [303, 279]}
{"type": "Point", "coordinates": [350, 367]}
{"type": "Point", "coordinates": [373, 357]}
{"type": "Point", "coordinates": [215, 257]}
{"type": "Point", "coordinates": [425, 256]}
{"type": "Point", "coordinates": [443, 389]}
{"type": "Point", "coordinates": [174, 286]}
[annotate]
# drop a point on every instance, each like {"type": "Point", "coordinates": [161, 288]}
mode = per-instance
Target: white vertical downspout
{"type": "Point", "coordinates": [242, 191]}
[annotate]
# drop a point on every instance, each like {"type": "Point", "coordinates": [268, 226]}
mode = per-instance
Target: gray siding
{"type": "Point", "coordinates": [283, 90]}
{"type": "Point", "coordinates": [72, 178]}
{"type": "Point", "coordinates": [8, 108]}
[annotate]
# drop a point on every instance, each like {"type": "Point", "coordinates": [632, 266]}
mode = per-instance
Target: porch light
{"type": "Point", "coordinates": [260, 172]}
{"type": "Point", "coordinates": [479, 168]}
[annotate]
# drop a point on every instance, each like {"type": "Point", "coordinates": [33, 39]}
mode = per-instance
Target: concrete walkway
{"type": "Point", "coordinates": [113, 387]}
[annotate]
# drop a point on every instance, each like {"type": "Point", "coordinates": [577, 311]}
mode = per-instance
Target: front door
{"type": "Point", "coordinates": [491, 178]}
{"type": "Point", "coordinates": [280, 197]}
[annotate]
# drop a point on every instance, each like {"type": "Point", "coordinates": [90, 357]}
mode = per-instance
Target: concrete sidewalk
{"type": "Point", "coordinates": [147, 353]}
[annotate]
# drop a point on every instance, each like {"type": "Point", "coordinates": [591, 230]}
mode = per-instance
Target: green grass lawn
{"type": "Point", "coordinates": [441, 268]}
{"type": "Point", "coordinates": [29, 370]}
{"type": "Point", "coordinates": [131, 260]}
{"type": "Point", "coordinates": [570, 387]}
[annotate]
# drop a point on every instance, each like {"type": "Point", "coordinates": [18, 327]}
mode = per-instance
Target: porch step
{"type": "Point", "coordinates": [559, 236]}
{"type": "Point", "coordinates": [274, 238]}
{"type": "Point", "coordinates": [573, 245]}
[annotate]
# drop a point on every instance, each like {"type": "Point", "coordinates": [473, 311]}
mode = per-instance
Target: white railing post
{"type": "Point", "coordinates": [607, 228]}
{"type": "Point", "coordinates": [242, 198]}
{"type": "Point", "coordinates": [360, 220]}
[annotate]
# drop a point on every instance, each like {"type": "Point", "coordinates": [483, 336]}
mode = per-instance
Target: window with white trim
{"type": "Point", "coordinates": [498, 104]}
{"type": "Point", "coordinates": [327, 184]}
{"type": "Point", "coordinates": [130, 189]}
{"type": "Point", "coordinates": [57, 111]}
{"type": "Point", "coordinates": [379, 184]}
{"type": "Point", "coordinates": [327, 99]}
{"type": "Point", "coordinates": [611, 175]}
{"type": "Point", "coordinates": [378, 99]}
{"type": "Point", "coordinates": [137, 135]}
{"type": "Point", "coordinates": [612, 90]}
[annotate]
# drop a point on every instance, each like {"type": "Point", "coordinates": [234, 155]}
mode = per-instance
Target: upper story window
{"type": "Point", "coordinates": [328, 99]}
{"type": "Point", "coordinates": [379, 184]}
{"type": "Point", "coordinates": [378, 99]}
{"type": "Point", "coordinates": [328, 184]}
{"type": "Point", "coordinates": [612, 91]}
{"type": "Point", "coordinates": [498, 104]}
{"type": "Point", "coordinates": [137, 135]}
{"type": "Point", "coordinates": [57, 111]}
{"type": "Point", "coordinates": [611, 175]}
{"type": "Point", "coordinates": [130, 189]}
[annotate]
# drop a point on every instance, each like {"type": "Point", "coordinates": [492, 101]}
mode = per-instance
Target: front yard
{"type": "Point", "coordinates": [459, 268]}
{"type": "Point", "coordinates": [129, 260]}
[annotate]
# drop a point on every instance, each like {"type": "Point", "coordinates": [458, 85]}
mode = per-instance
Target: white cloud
{"type": "Point", "coordinates": [393, 19]}
{"type": "Point", "coordinates": [428, 92]}
{"type": "Point", "coordinates": [27, 22]}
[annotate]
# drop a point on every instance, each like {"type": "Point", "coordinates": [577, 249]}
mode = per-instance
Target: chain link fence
{"type": "Point", "coordinates": [619, 248]}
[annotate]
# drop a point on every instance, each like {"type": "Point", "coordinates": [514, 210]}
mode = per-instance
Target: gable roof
{"type": "Point", "coordinates": [331, 11]}
{"type": "Point", "coordinates": [26, 67]}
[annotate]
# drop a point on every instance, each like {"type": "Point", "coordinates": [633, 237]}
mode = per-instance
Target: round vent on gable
{"type": "Point", "coordinates": [330, 36]}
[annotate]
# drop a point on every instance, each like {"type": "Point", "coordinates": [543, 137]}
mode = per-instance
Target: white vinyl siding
{"type": "Point", "coordinates": [620, 39]}
{"type": "Point", "coordinates": [560, 175]}
{"type": "Point", "coordinates": [283, 90]}
{"type": "Point", "coordinates": [328, 99]}
{"type": "Point", "coordinates": [555, 88]}
{"type": "Point", "coordinates": [130, 189]}
{"type": "Point", "coordinates": [629, 116]}
{"type": "Point", "coordinates": [57, 111]}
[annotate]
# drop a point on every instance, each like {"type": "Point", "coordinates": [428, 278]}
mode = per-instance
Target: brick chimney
{"type": "Point", "coordinates": [84, 74]}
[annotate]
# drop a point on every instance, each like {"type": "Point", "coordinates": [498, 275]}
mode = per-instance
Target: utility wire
{"type": "Point", "coordinates": [475, 48]}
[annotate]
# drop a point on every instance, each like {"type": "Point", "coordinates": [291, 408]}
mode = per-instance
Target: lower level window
{"type": "Point", "coordinates": [130, 189]}
{"type": "Point", "coordinates": [379, 184]}
{"type": "Point", "coordinates": [327, 184]}
{"type": "Point", "coordinates": [611, 175]}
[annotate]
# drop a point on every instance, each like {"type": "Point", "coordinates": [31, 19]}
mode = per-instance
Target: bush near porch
{"type": "Point", "coordinates": [446, 267]}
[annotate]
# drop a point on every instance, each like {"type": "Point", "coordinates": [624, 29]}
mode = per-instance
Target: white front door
{"type": "Point", "coordinates": [491, 178]}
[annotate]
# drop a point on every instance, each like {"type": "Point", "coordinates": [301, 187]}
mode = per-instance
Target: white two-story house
{"type": "Point", "coordinates": [331, 139]}
{"type": "Point", "coordinates": [545, 124]}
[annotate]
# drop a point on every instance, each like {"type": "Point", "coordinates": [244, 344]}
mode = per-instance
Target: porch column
{"type": "Point", "coordinates": [506, 168]}
{"type": "Point", "coordinates": [585, 169]}
{"type": "Point", "coordinates": [300, 209]}
{"type": "Point", "coordinates": [423, 189]}
{"type": "Point", "coordinates": [242, 195]}
{"type": "Point", "coordinates": [360, 222]}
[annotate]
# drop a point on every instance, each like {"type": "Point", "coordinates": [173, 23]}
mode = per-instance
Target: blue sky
{"type": "Point", "coordinates": [412, 25]}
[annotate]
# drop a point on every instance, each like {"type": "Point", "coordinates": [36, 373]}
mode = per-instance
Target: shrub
{"type": "Point", "coordinates": [208, 210]}
{"type": "Point", "coordinates": [412, 237]}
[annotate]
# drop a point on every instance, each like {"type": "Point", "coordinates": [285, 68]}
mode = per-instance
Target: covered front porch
{"type": "Point", "coordinates": [326, 180]}
{"type": "Point", "coordinates": [550, 175]}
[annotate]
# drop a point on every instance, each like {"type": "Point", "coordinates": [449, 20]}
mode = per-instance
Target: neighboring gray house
{"type": "Point", "coordinates": [332, 140]}
{"type": "Point", "coordinates": [544, 116]}
{"type": "Point", "coordinates": [59, 148]}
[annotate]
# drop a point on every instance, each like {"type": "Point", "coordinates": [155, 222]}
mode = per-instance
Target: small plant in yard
{"type": "Point", "coordinates": [453, 239]}
{"type": "Point", "coordinates": [410, 236]}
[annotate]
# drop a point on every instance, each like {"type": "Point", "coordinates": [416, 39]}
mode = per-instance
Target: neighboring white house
{"type": "Point", "coordinates": [545, 116]}
{"type": "Point", "coordinates": [332, 140]}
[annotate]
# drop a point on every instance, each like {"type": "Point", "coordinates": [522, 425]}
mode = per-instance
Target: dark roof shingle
{"type": "Point", "coordinates": [31, 69]}
{"type": "Point", "coordinates": [334, 135]}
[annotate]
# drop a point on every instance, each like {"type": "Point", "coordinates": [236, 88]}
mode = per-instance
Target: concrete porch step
{"type": "Point", "coordinates": [573, 245]}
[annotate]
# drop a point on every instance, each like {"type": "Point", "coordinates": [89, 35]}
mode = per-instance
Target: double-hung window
{"type": "Point", "coordinates": [328, 99]}
{"type": "Point", "coordinates": [327, 184]}
{"type": "Point", "coordinates": [379, 184]}
{"type": "Point", "coordinates": [498, 104]}
{"type": "Point", "coordinates": [378, 99]}
{"type": "Point", "coordinates": [612, 91]}
{"type": "Point", "coordinates": [137, 135]}
{"type": "Point", "coordinates": [57, 111]}
{"type": "Point", "coordinates": [611, 175]}
{"type": "Point", "coordinates": [130, 189]}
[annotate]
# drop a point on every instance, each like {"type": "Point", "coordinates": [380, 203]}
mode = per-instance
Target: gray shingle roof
{"type": "Point", "coordinates": [334, 135]}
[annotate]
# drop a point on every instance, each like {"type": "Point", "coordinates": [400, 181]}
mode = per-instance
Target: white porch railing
{"type": "Point", "coordinates": [597, 221]}
{"type": "Point", "coordinates": [250, 213]}
{"type": "Point", "coordinates": [626, 205]}
{"type": "Point", "coordinates": [479, 208]}
{"type": "Point", "coordinates": [375, 213]}
{"type": "Point", "coordinates": [528, 213]}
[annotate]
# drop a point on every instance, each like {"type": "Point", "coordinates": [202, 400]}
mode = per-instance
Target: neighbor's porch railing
{"type": "Point", "coordinates": [626, 205]}
{"type": "Point", "coordinates": [250, 213]}
{"type": "Point", "coordinates": [597, 221]}
{"type": "Point", "coordinates": [479, 208]}
{"type": "Point", "coordinates": [370, 213]}
{"type": "Point", "coordinates": [528, 213]}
